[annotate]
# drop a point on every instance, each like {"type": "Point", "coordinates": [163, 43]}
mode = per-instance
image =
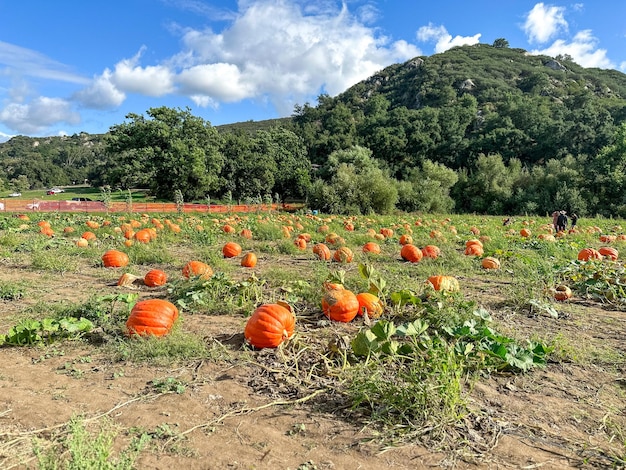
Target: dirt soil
{"type": "Point", "coordinates": [238, 414]}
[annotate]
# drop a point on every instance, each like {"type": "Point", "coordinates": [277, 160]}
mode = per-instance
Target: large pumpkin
{"type": "Point", "coordinates": [197, 268]}
{"type": "Point", "coordinates": [444, 283]}
{"type": "Point", "coordinates": [343, 255]}
{"type": "Point", "coordinates": [340, 305]}
{"type": "Point", "coordinates": [269, 326]}
{"type": "Point", "coordinates": [231, 249]}
{"type": "Point", "coordinates": [151, 317]}
{"type": "Point", "coordinates": [155, 278]}
{"type": "Point", "coordinates": [474, 250]}
{"type": "Point", "coordinates": [431, 251]}
{"type": "Point", "coordinates": [411, 253]}
{"type": "Point", "coordinates": [371, 304]}
{"type": "Point", "coordinates": [144, 235]}
{"type": "Point", "coordinates": [249, 260]}
{"type": "Point", "coordinates": [371, 247]}
{"type": "Point", "coordinates": [489, 262]}
{"type": "Point", "coordinates": [609, 252]}
{"type": "Point", "coordinates": [321, 251]}
{"type": "Point", "coordinates": [405, 239]}
{"type": "Point", "coordinates": [587, 254]}
{"type": "Point", "coordinates": [114, 259]}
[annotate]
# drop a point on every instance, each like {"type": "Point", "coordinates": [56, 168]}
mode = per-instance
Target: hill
{"type": "Point", "coordinates": [471, 100]}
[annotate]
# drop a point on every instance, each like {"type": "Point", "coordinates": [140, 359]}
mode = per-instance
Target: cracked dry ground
{"type": "Point", "coordinates": [243, 412]}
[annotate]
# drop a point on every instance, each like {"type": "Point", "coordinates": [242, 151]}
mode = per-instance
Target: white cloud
{"type": "Point", "coordinates": [622, 66]}
{"type": "Point", "coordinates": [101, 94]}
{"type": "Point", "coordinates": [153, 80]}
{"type": "Point", "coordinates": [21, 61]}
{"type": "Point", "coordinates": [444, 40]}
{"type": "Point", "coordinates": [37, 115]}
{"type": "Point", "coordinates": [223, 80]}
{"type": "Point", "coordinates": [543, 22]}
{"type": "Point", "coordinates": [583, 49]}
{"type": "Point", "coordinates": [279, 50]}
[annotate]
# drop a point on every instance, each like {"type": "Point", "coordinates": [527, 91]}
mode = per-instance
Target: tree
{"type": "Point", "coordinates": [173, 150]}
{"type": "Point", "coordinates": [292, 168]}
{"type": "Point", "coordinates": [427, 189]}
{"type": "Point", "coordinates": [354, 184]}
{"type": "Point", "coordinates": [500, 43]}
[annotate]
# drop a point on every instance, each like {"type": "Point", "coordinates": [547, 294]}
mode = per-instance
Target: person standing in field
{"type": "Point", "coordinates": [555, 216]}
{"type": "Point", "coordinates": [561, 222]}
{"type": "Point", "coordinates": [574, 219]}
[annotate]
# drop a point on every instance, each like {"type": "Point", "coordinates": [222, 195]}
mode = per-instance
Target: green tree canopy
{"type": "Point", "coordinates": [173, 150]}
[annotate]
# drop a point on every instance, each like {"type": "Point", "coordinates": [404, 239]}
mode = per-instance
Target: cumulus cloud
{"type": "Point", "coordinates": [444, 40]}
{"type": "Point", "coordinates": [36, 116]}
{"type": "Point", "coordinates": [108, 90]}
{"type": "Point", "coordinates": [583, 49]}
{"type": "Point", "coordinates": [280, 50]}
{"type": "Point", "coordinates": [223, 80]}
{"type": "Point", "coordinates": [101, 94]}
{"type": "Point", "coordinates": [544, 22]}
{"type": "Point", "coordinates": [152, 80]}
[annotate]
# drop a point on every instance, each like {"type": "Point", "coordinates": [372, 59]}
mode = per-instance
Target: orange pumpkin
{"type": "Point", "coordinates": [300, 243]}
{"type": "Point", "coordinates": [151, 317]}
{"type": "Point", "coordinates": [155, 278]}
{"type": "Point", "coordinates": [144, 235]}
{"type": "Point", "coordinates": [489, 262]}
{"type": "Point", "coordinates": [371, 304]}
{"type": "Point", "coordinates": [197, 268]}
{"type": "Point", "coordinates": [562, 293]}
{"type": "Point", "coordinates": [444, 283]}
{"type": "Point", "coordinates": [81, 242]}
{"type": "Point", "coordinates": [246, 233]}
{"type": "Point", "coordinates": [473, 241]}
{"type": "Point", "coordinates": [587, 254]}
{"type": "Point", "coordinates": [431, 251]}
{"type": "Point", "coordinates": [405, 239]}
{"type": "Point", "coordinates": [371, 247]}
{"type": "Point", "coordinates": [340, 305]}
{"type": "Point", "coordinates": [270, 325]}
{"type": "Point", "coordinates": [386, 232]}
{"type": "Point", "coordinates": [89, 236]}
{"type": "Point", "coordinates": [411, 253]}
{"type": "Point", "coordinates": [609, 252]}
{"type": "Point", "coordinates": [321, 251]}
{"type": "Point", "coordinates": [249, 260]}
{"type": "Point", "coordinates": [474, 250]}
{"type": "Point", "coordinates": [231, 249]}
{"type": "Point", "coordinates": [114, 259]}
{"type": "Point", "coordinates": [343, 255]}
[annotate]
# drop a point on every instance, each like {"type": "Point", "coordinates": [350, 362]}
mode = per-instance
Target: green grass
{"type": "Point", "coordinates": [80, 448]}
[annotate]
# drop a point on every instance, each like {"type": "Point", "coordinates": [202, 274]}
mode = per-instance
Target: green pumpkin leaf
{"type": "Point", "coordinates": [365, 344]}
{"type": "Point", "coordinates": [384, 330]}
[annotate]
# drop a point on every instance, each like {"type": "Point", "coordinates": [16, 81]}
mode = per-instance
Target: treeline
{"type": "Point", "coordinates": [476, 129]}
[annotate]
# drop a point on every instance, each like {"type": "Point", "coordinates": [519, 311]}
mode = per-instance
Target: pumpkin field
{"type": "Point", "coordinates": [301, 341]}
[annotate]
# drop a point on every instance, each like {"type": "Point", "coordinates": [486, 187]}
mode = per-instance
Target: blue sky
{"type": "Point", "coordinates": [69, 66]}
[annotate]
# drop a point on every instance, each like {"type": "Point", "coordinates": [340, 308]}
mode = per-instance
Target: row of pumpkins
{"type": "Point", "coordinates": [271, 324]}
